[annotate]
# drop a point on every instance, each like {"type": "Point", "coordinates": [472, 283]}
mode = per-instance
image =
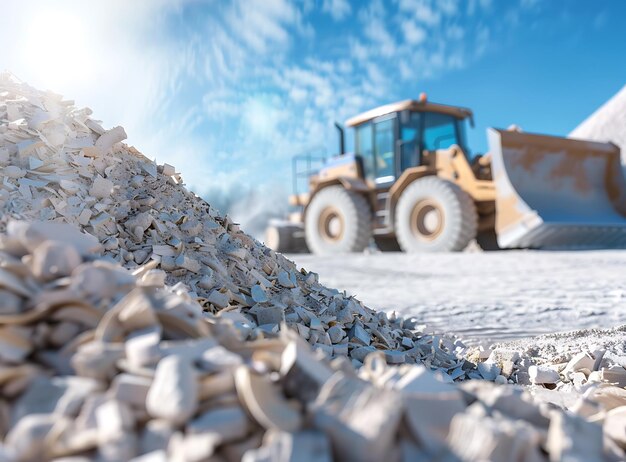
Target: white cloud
{"type": "Point", "coordinates": [359, 51]}
{"type": "Point", "coordinates": [448, 7]}
{"type": "Point", "coordinates": [261, 117]}
{"type": "Point", "coordinates": [426, 14]}
{"type": "Point", "coordinates": [338, 9]}
{"type": "Point", "coordinates": [345, 66]}
{"type": "Point", "coordinates": [424, 11]}
{"type": "Point", "coordinates": [243, 85]}
{"type": "Point", "coordinates": [298, 95]}
{"type": "Point", "coordinates": [383, 40]}
{"type": "Point", "coordinates": [472, 6]}
{"type": "Point", "coordinates": [263, 23]}
{"type": "Point", "coordinates": [413, 34]}
{"type": "Point", "coordinates": [375, 29]}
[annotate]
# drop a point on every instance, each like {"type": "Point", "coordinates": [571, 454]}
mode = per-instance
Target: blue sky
{"type": "Point", "coordinates": [228, 91]}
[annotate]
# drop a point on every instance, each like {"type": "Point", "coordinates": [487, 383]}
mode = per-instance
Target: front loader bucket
{"type": "Point", "coordinates": [557, 193]}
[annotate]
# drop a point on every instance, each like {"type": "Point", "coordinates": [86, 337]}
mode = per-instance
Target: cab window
{"type": "Point", "coordinates": [384, 149]}
{"type": "Point", "coordinates": [364, 149]}
{"type": "Point", "coordinates": [440, 131]}
{"type": "Point", "coordinates": [409, 140]}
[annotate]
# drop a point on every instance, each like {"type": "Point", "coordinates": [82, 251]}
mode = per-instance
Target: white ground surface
{"type": "Point", "coordinates": [493, 295]}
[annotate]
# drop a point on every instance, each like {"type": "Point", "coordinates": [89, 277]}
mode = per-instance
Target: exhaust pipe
{"type": "Point", "coordinates": [342, 142]}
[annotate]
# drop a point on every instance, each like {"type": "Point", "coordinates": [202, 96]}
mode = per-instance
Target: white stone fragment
{"type": "Point", "coordinates": [101, 188]}
{"type": "Point", "coordinates": [358, 335]}
{"type": "Point", "coordinates": [573, 439]}
{"type": "Point", "coordinates": [394, 357]}
{"type": "Point", "coordinates": [302, 372]}
{"type": "Point", "coordinates": [106, 141]}
{"type": "Point", "coordinates": [156, 436]}
{"type": "Point", "coordinates": [142, 347]}
{"type": "Point", "coordinates": [173, 395]}
{"type": "Point", "coordinates": [188, 263]}
{"type": "Point", "coordinates": [54, 259]}
{"type": "Point", "coordinates": [270, 314]}
{"type": "Point", "coordinates": [131, 389]}
{"type": "Point", "coordinates": [579, 362]}
{"type": "Point", "coordinates": [543, 374]}
{"type": "Point", "coordinates": [37, 232]}
{"type": "Point", "coordinates": [284, 280]}
{"type": "Point", "coordinates": [27, 439]}
{"type": "Point", "coordinates": [34, 163]}
{"type": "Point", "coordinates": [489, 371]}
{"type": "Point", "coordinates": [306, 446]}
{"type": "Point", "coordinates": [13, 171]}
{"type": "Point", "coordinates": [218, 358]}
{"type": "Point", "coordinates": [153, 456]}
{"type": "Point", "coordinates": [360, 421]}
{"type": "Point", "coordinates": [265, 402]}
{"type": "Point", "coordinates": [336, 333]}
{"type": "Point", "coordinates": [230, 423]}
{"type": "Point", "coordinates": [168, 170]}
{"type": "Point", "coordinates": [219, 299]}
{"type": "Point", "coordinates": [113, 419]}
{"type": "Point", "coordinates": [258, 294]}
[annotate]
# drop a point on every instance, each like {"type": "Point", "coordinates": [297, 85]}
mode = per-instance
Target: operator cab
{"type": "Point", "coordinates": [392, 138]}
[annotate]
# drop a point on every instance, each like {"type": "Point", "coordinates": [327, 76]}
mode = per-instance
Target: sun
{"type": "Point", "coordinates": [56, 46]}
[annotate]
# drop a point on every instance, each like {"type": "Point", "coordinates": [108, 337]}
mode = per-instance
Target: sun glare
{"type": "Point", "coordinates": [57, 48]}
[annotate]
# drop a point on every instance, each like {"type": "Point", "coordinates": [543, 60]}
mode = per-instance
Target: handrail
{"type": "Point", "coordinates": [312, 164]}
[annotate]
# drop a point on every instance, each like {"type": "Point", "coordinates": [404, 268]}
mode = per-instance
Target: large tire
{"type": "Point", "coordinates": [387, 244]}
{"type": "Point", "coordinates": [285, 238]}
{"type": "Point", "coordinates": [434, 215]}
{"type": "Point", "coordinates": [337, 221]}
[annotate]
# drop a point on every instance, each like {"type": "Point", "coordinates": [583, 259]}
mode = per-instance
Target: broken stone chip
{"type": "Point", "coordinates": [543, 375]}
{"type": "Point", "coordinates": [173, 395]}
{"type": "Point", "coordinates": [229, 423]}
{"type": "Point", "coordinates": [258, 294]}
{"type": "Point", "coordinates": [101, 188]}
{"type": "Point", "coordinates": [264, 401]}
{"type": "Point", "coordinates": [54, 260]}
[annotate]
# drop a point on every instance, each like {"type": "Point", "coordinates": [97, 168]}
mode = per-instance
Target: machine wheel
{"type": "Point", "coordinates": [284, 238]}
{"type": "Point", "coordinates": [387, 244]}
{"type": "Point", "coordinates": [337, 220]}
{"type": "Point", "coordinates": [487, 240]}
{"type": "Point", "coordinates": [434, 215]}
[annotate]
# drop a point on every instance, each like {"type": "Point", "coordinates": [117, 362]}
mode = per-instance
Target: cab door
{"type": "Point", "coordinates": [384, 140]}
{"type": "Point", "coordinates": [408, 143]}
{"type": "Point", "coordinates": [384, 150]}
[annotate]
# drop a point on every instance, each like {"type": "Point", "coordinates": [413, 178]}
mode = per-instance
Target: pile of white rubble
{"type": "Point", "coordinates": [100, 363]}
{"type": "Point", "coordinates": [57, 164]}
{"type": "Point", "coordinates": [243, 350]}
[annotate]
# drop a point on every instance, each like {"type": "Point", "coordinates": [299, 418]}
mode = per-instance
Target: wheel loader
{"type": "Point", "coordinates": [413, 185]}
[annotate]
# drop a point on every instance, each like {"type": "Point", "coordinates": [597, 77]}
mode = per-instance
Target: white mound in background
{"type": "Point", "coordinates": [607, 123]}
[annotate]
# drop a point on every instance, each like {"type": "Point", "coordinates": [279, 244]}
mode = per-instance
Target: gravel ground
{"type": "Point", "coordinates": [495, 296]}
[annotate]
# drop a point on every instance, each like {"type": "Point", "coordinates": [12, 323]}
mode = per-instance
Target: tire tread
{"type": "Point", "coordinates": [463, 210]}
{"type": "Point", "coordinates": [358, 212]}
